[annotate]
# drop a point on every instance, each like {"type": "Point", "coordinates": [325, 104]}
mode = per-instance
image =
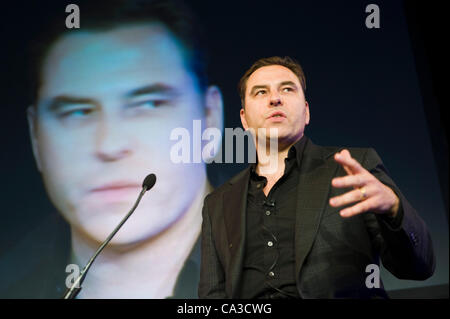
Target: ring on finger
{"type": "Point", "coordinates": [363, 192]}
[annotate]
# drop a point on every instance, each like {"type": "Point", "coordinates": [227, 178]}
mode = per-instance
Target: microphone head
{"type": "Point", "coordinates": [149, 181]}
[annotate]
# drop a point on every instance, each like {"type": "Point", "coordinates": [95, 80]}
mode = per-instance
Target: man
{"type": "Point", "coordinates": [107, 98]}
{"type": "Point", "coordinates": [310, 228]}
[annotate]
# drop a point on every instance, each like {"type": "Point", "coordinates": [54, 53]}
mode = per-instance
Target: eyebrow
{"type": "Point", "coordinates": [160, 88]}
{"type": "Point", "coordinates": [56, 102]}
{"type": "Point", "coordinates": [257, 87]}
{"type": "Point", "coordinates": [288, 83]}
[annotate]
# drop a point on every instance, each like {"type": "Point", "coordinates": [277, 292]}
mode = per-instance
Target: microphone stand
{"type": "Point", "coordinates": [75, 289]}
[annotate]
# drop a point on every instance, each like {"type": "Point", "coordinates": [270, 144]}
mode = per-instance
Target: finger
{"type": "Point", "coordinates": [357, 180]}
{"type": "Point", "coordinates": [345, 159]}
{"type": "Point", "coordinates": [359, 208]}
{"type": "Point", "coordinates": [348, 198]}
{"type": "Point", "coordinates": [346, 168]}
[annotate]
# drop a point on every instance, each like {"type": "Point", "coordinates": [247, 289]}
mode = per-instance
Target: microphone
{"type": "Point", "coordinates": [149, 181]}
{"type": "Point", "coordinates": [74, 290]}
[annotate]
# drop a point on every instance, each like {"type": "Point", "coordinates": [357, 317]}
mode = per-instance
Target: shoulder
{"type": "Point", "coordinates": [327, 152]}
{"type": "Point", "coordinates": [234, 181]}
{"type": "Point", "coordinates": [366, 156]}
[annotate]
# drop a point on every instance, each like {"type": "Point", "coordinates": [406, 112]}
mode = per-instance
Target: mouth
{"type": "Point", "coordinates": [114, 192]}
{"type": "Point", "coordinates": [115, 186]}
{"type": "Point", "coordinates": [277, 116]}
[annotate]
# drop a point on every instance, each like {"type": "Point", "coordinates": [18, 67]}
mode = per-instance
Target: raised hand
{"type": "Point", "coordinates": [369, 193]}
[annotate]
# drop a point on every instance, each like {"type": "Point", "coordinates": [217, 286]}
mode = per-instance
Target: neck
{"type": "Point", "coordinates": [271, 157]}
{"type": "Point", "coordinates": [145, 270]}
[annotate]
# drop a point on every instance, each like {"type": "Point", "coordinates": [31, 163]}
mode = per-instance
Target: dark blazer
{"type": "Point", "coordinates": [331, 252]}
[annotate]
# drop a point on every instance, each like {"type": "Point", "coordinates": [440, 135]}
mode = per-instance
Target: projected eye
{"type": "Point", "coordinates": [75, 111]}
{"type": "Point", "coordinates": [288, 89]}
{"type": "Point", "coordinates": [149, 103]}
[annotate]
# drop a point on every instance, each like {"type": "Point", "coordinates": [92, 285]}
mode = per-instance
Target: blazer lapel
{"type": "Point", "coordinates": [312, 198]}
{"type": "Point", "coordinates": [235, 204]}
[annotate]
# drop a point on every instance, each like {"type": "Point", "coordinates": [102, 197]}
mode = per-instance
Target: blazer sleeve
{"type": "Point", "coordinates": [404, 243]}
{"type": "Point", "coordinates": [212, 275]}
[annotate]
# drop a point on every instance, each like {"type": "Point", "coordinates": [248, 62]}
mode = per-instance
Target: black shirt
{"type": "Point", "coordinates": [269, 262]}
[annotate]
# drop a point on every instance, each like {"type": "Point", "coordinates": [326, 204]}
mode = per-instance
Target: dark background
{"type": "Point", "coordinates": [378, 88]}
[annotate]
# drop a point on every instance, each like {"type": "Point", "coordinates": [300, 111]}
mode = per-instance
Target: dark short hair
{"type": "Point", "coordinates": [286, 61]}
{"type": "Point", "coordinates": [97, 15]}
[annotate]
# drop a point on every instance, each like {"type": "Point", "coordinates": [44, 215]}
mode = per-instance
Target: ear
{"type": "Point", "coordinates": [214, 121]}
{"type": "Point", "coordinates": [214, 108]}
{"type": "Point", "coordinates": [31, 117]}
{"type": "Point", "coordinates": [243, 119]}
{"type": "Point", "coordinates": [308, 114]}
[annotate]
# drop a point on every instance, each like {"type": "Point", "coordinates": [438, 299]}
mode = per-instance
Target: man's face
{"type": "Point", "coordinates": [107, 105]}
{"type": "Point", "coordinates": [274, 99]}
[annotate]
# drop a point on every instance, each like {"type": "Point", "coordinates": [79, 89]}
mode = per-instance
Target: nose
{"type": "Point", "coordinates": [112, 143]}
{"type": "Point", "coordinates": [275, 100]}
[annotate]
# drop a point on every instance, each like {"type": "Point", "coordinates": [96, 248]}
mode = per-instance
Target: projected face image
{"type": "Point", "coordinates": [107, 105]}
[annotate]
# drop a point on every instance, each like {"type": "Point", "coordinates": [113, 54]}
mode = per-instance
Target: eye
{"type": "Point", "coordinates": [149, 103]}
{"type": "Point", "coordinates": [260, 92]}
{"type": "Point", "coordinates": [288, 89]}
{"type": "Point", "coordinates": [75, 111]}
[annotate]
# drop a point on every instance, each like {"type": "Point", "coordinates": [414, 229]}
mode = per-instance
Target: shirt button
{"type": "Point", "coordinates": [271, 274]}
{"type": "Point", "coordinates": [258, 185]}
{"type": "Point", "coordinates": [268, 212]}
{"type": "Point", "coordinates": [270, 244]}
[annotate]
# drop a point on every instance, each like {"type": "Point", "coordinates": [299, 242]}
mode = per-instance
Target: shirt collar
{"type": "Point", "coordinates": [296, 150]}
